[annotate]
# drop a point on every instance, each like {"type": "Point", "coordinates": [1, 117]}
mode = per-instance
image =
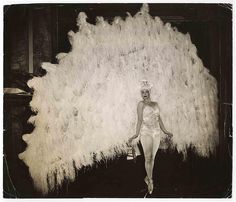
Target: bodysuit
{"type": "Point", "coordinates": [150, 124]}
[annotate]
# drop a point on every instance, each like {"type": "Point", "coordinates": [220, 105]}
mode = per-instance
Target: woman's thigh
{"type": "Point", "coordinates": [156, 144]}
{"type": "Point", "coordinates": [147, 144]}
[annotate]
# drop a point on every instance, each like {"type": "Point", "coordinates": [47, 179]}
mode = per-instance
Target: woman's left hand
{"type": "Point", "coordinates": [170, 135]}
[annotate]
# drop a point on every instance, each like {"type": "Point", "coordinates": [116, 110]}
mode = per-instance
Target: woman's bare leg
{"type": "Point", "coordinates": [150, 146]}
{"type": "Point", "coordinates": [156, 144]}
{"type": "Point", "coordinates": [147, 144]}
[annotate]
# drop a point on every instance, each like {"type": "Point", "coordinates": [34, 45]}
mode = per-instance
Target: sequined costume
{"type": "Point", "coordinates": [150, 125]}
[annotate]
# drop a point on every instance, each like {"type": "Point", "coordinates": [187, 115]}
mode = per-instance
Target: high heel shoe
{"type": "Point", "coordinates": [150, 186]}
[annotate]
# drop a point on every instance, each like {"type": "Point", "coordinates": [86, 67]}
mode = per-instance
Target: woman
{"type": "Point", "coordinates": [148, 127]}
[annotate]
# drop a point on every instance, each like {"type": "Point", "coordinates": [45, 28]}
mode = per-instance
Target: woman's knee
{"type": "Point", "coordinates": [149, 159]}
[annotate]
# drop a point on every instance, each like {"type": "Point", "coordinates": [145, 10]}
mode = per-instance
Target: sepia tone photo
{"type": "Point", "coordinates": [117, 100]}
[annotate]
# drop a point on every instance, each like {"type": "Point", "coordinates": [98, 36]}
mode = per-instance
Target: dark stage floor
{"type": "Point", "coordinates": [120, 178]}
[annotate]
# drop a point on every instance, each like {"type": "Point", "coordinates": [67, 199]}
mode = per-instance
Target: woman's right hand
{"type": "Point", "coordinates": [130, 141]}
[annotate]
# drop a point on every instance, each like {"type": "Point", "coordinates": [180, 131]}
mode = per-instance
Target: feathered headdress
{"type": "Point", "coordinates": [146, 85]}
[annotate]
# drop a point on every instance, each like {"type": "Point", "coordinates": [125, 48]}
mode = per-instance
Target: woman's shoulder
{"type": "Point", "coordinates": [140, 106]}
{"type": "Point", "coordinates": [141, 103]}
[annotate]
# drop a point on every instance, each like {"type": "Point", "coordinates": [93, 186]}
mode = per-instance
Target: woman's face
{"type": "Point", "coordinates": [145, 94]}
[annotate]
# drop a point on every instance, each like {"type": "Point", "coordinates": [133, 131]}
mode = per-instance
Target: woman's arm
{"type": "Point", "coordinates": [163, 127]}
{"type": "Point", "coordinates": [140, 119]}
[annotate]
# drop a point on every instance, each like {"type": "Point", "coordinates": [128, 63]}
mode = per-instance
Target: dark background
{"type": "Point", "coordinates": [36, 33]}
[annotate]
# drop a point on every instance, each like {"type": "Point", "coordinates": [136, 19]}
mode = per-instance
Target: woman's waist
{"type": "Point", "coordinates": [150, 123]}
{"type": "Point", "coordinates": [150, 126]}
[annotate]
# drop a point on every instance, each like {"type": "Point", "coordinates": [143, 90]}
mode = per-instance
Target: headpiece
{"type": "Point", "coordinates": [146, 85]}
